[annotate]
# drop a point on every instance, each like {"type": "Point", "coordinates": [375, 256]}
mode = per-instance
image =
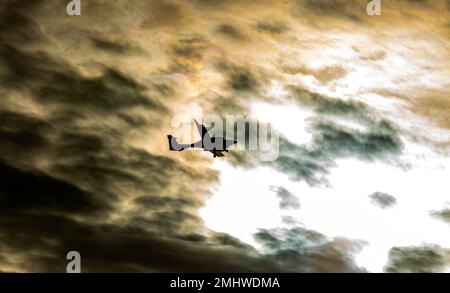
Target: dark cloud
{"type": "Point", "coordinates": [311, 162]}
{"type": "Point", "coordinates": [420, 259]}
{"type": "Point", "coordinates": [287, 199]}
{"type": "Point", "coordinates": [64, 177]}
{"type": "Point", "coordinates": [230, 31]}
{"type": "Point", "coordinates": [187, 53]}
{"type": "Point", "coordinates": [242, 80]}
{"type": "Point", "coordinates": [443, 215]}
{"type": "Point", "coordinates": [423, 3]}
{"type": "Point", "coordinates": [63, 184]}
{"type": "Point", "coordinates": [332, 140]}
{"type": "Point", "coordinates": [383, 200]}
{"type": "Point", "coordinates": [301, 250]}
{"type": "Point", "coordinates": [55, 82]}
{"type": "Point", "coordinates": [301, 163]}
{"type": "Point", "coordinates": [272, 27]}
{"type": "Point", "coordinates": [228, 106]}
{"type": "Point", "coordinates": [44, 241]}
{"type": "Point", "coordinates": [17, 25]}
{"type": "Point", "coordinates": [326, 105]}
{"type": "Point", "coordinates": [239, 78]}
{"type": "Point", "coordinates": [114, 47]}
{"type": "Point", "coordinates": [27, 192]}
{"type": "Point", "coordinates": [227, 240]}
{"type": "Point", "coordinates": [157, 202]}
{"type": "Point", "coordinates": [77, 172]}
{"type": "Point", "coordinates": [347, 9]}
{"type": "Point", "coordinates": [378, 140]}
{"type": "Point", "coordinates": [162, 13]}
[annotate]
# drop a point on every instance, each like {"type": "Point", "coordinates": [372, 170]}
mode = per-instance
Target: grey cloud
{"type": "Point", "coordinates": [326, 105]}
{"type": "Point", "coordinates": [239, 78]}
{"type": "Point", "coordinates": [161, 13]}
{"type": "Point", "coordinates": [287, 199]}
{"type": "Point", "coordinates": [382, 200]}
{"type": "Point", "coordinates": [311, 162]}
{"type": "Point", "coordinates": [417, 259]}
{"type": "Point", "coordinates": [154, 201]}
{"type": "Point", "coordinates": [301, 250]}
{"type": "Point", "coordinates": [116, 248]}
{"type": "Point", "coordinates": [338, 142]}
{"type": "Point", "coordinates": [28, 191]}
{"type": "Point", "coordinates": [186, 52]}
{"type": "Point", "coordinates": [301, 164]}
{"type": "Point", "coordinates": [346, 9]}
{"type": "Point", "coordinates": [443, 215]}
{"type": "Point", "coordinates": [114, 46]}
{"type": "Point", "coordinates": [126, 208]}
{"type": "Point", "coordinates": [96, 175]}
{"type": "Point", "coordinates": [56, 82]}
{"type": "Point", "coordinates": [272, 27]}
{"type": "Point", "coordinates": [17, 26]}
{"type": "Point", "coordinates": [230, 31]}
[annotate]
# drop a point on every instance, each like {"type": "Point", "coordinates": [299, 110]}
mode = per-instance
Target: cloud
{"type": "Point", "coordinates": [17, 26]}
{"type": "Point", "coordinates": [162, 13]}
{"type": "Point", "coordinates": [272, 27]}
{"type": "Point", "coordinates": [56, 82]}
{"type": "Point", "coordinates": [332, 140]}
{"type": "Point", "coordinates": [417, 259]}
{"type": "Point", "coordinates": [46, 240]}
{"type": "Point", "coordinates": [26, 192]}
{"type": "Point", "coordinates": [382, 200]}
{"type": "Point", "coordinates": [374, 139]}
{"type": "Point", "coordinates": [287, 199]}
{"type": "Point", "coordinates": [75, 179]}
{"type": "Point", "coordinates": [187, 54]}
{"type": "Point", "coordinates": [323, 75]}
{"type": "Point", "coordinates": [350, 10]}
{"type": "Point", "coordinates": [239, 78]}
{"type": "Point", "coordinates": [378, 140]}
{"type": "Point", "coordinates": [301, 163]}
{"type": "Point", "coordinates": [113, 47]}
{"type": "Point", "coordinates": [301, 250]}
{"type": "Point", "coordinates": [443, 215]}
{"type": "Point", "coordinates": [84, 114]}
{"type": "Point", "coordinates": [327, 105]}
{"type": "Point", "coordinates": [230, 31]}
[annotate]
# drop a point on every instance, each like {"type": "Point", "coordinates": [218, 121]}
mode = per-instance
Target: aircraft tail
{"type": "Point", "coordinates": [174, 145]}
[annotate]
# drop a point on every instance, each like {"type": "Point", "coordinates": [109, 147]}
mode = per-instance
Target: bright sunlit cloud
{"type": "Point", "coordinates": [343, 209]}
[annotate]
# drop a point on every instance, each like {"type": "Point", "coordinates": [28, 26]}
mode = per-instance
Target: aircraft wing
{"type": "Point", "coordinates": [229, 143]}
{"type": "Point", "coordinates": [217, 153]}
{"type": "Point", "coordinates": [202, 130]}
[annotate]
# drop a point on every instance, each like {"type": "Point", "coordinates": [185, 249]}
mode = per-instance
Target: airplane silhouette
{"type": "Point", "coordinates": [215, 145]}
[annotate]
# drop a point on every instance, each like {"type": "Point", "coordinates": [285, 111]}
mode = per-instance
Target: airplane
{"type": "Point", "coordinates": [215, 145]}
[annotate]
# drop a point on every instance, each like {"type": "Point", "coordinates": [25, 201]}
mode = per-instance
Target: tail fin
{"type": "Point", "coordinates": [174, 145]}
{"type": "Point", "coordinates": [171, 138]}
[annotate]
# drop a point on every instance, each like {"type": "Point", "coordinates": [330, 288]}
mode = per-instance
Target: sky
{"type": "Point", "coordinates": [360, 106]}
